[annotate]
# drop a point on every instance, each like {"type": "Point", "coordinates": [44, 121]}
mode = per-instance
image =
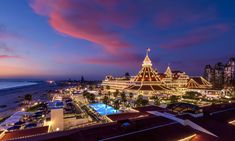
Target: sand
{"type": "Point", "coordinates": [10, 98]}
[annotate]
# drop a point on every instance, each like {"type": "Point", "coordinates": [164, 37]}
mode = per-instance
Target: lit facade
{"type": "Point", "coordinates": [148, 81]}
{"type": "Point", "coordinates": [116, 83]}
{"type": "Point", "coordinates": [221, 75]}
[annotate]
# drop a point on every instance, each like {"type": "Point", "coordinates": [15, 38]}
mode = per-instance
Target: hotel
{"type": "Point", "coordinates": [150, 82]}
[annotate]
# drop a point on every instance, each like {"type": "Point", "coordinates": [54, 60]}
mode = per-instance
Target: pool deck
{"type": "Point", "coordinates": [104, 109]}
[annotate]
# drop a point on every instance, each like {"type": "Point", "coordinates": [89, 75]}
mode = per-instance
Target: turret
{"type": "Point", "coordinates": [147, 62]}
{"type": "Point", "coordinates": [168, 72]}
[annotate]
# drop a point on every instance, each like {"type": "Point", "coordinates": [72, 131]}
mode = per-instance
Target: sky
{"type": "Point", "coordinates": [60, 39]}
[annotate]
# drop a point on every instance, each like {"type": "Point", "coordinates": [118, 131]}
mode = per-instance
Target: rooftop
{"type": "Point", "coordinates": [145, 126]}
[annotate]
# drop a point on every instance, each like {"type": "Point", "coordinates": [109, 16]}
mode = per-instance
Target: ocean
{"type": "Point", "coordinates": [15, 84]}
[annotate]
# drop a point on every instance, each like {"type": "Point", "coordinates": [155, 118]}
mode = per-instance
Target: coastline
{"type": "Point", "coordinates": [9, 97]}
{"type": "Point", "coordinates": [18, 86]}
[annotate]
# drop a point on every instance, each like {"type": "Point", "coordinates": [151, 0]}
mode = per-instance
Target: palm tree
{"type": "Point", "coordinates": [106, 100]}
{"type": "Point", "coordinates": [102, 88]}
{"type": "Point", "coordinates": [108, 87]}
{"type": "Point", "coordinates": [91, 97]}
{"type": "Point", "coordinates": [123, 97]}
{"type": "Point", "coordinates": [116, 104]}
{"type": "Point", "coordinates": [174, 99]}
{"type": "Point", "coordinates": [116, 93]}
{"type": "Point", "coordinates": [141, 101]}
{"type": "Point", "coordinates": [156, 100]}
{"type": "Point", "coordinates": [127, 75]}
{"type": "Point", "coordinates": [131, 95]}
{"type": "Point", "coordinates": [109, 94]}
{"type": "Point", "coordinates": [28, 97]}
{"type": "Point", "coordinates": [99, 93]}
{"type": "Point", "coordinates": [85, 94]}
{"type": "Point", "coordinates": [192, 94]}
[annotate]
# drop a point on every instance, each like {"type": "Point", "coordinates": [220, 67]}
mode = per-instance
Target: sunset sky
{"type": "Point", "coordinates": [57, 39]}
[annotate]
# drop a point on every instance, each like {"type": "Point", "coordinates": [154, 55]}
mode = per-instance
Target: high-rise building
{"type": "Point", "coordinates": [221, 75]}
{"type": "Point", "coordinates": [209, 73]}
{"type": "Point", "coordinates": [229, 72]}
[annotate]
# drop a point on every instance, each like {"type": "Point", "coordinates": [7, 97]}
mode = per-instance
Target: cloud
{"type": "Point", "coordinates": [10, 57]}
{"type": "Point", "coordinates": [124, 60]}
{"type": "Point", "coordinates": [94, 21]}
{"type": "Point", "coordinates": [196, 37]}
{"type": "Point", "coordinates": [105, 22]}
{"type": "Point", "coordinates": [5, 48]}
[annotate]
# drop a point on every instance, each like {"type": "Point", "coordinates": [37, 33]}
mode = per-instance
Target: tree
{"type": "Point", "coordinates": [91, 88]}
{"type": "Point", "coordinates": [123, 97]}
{"type": "Point", "coordinates": [109, 94]}
{"type": "Point", "coordinates": [102, 88]}
{"type": "Point", "coordinates": [174, 99]}
{"type": "Point", "coordinates": [192, 94]}
{"type": "Point", "coordinates": [156, 100]}
{"type": "Point", "coordinates": [108, 87]}
{"type": "Point", "coordinates": [106, 100]}
{"type": "Point", "coordinates": [116, 93]}
{"type": "Point", "coordinates": [127, 75]}
{"type": "Point", "coordinates": [85, 94]}
{"type": "Point", "coordinates": [28, 97]}
{"type": "Point", "coordinates": [99, 93]}
{"type": "Point", "coordinates": [131, 95]}
{"type": "Point", "coordinates": [141, 101]}
{"type": "Point", "coordinates": [116, 104]}
{"type": "Point", "coordinates": [82, 81]}
{"type": "Point", "coordinates": [91, 97]}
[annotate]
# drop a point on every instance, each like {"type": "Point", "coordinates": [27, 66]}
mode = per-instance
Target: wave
{"type": "Point", "coordinates": [15, 84]}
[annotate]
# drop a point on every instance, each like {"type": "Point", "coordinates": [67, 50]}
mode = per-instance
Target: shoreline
{"type": "Point", "coordinates": [19, 86]}
{"type": "Point", "coordinates": [10, 97]}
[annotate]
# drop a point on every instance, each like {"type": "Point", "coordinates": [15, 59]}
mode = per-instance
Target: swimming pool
{"type": "Point", "coordinates": [104, 109]}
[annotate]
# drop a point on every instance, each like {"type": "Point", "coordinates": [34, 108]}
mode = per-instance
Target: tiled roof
{"type": "Point", "coordinates": [24, 133]}
{"type": "Point", "coordinates": [151, 128]}
{"type": "Point", "coordinates": [148, 88]}
{"type": "Point", "coordinates": [124, 116]}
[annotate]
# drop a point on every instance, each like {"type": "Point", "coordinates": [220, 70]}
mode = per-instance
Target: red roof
{"type": "Point", "coordinates": [149, 108]}
{"type": "Point", "coordinates": [148, 88]}
{"type": "Point", "coordinates": [148, 128]}
{"type": "Point", "coordinates": [24, 133]}
{"type": "Point", "coordinates": [124, 116]}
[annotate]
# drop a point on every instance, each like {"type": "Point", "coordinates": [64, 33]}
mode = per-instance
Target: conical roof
{"type": "Point", "coordinates": [147, 62]}
{"type": "Point", "coordinates": [147, 79]}
{"type": "Point", "coordinates": [168, 71]}
{"type": "Point", "coordinates": [147, 73]}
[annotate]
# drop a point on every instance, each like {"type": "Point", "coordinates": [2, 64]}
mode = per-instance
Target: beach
{"type": "Point", "coordinates": [10, 97]}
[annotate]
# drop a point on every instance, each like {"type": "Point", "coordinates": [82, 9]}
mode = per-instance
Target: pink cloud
{"type": "Point", "coordinates": [196, 36]}
{"type": "Point", "coordinates": [123, 61]}
{"type": "Point", "coordinates": [84, 21]}
{"type": "Point", "coordinates": [10, 57]}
